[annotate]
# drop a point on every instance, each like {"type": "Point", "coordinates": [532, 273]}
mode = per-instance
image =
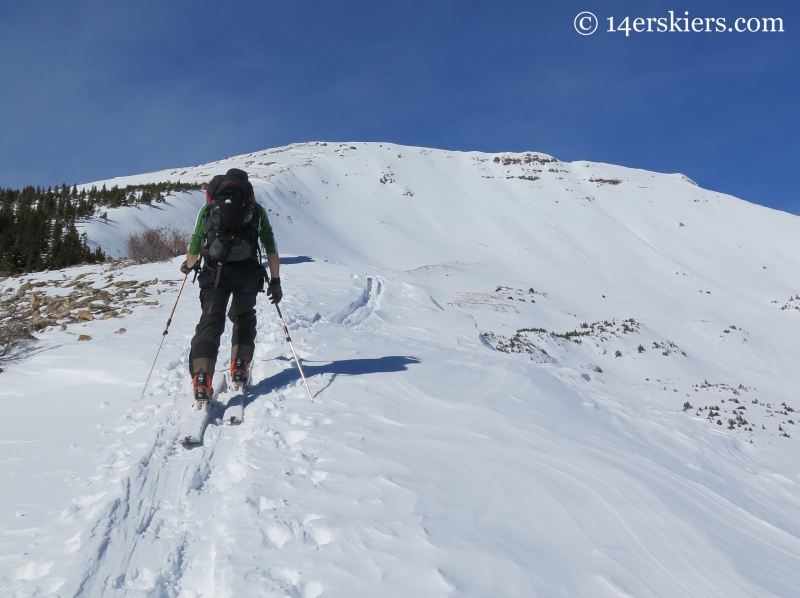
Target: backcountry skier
{"type": "Point", "coordinates": [226, 235]}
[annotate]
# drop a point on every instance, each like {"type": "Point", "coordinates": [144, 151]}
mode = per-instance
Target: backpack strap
{"type": "Point", "coordinates": [216, 284]}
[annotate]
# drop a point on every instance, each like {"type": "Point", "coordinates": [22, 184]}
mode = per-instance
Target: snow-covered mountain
{"type": "Point", "coordinates": [531, 378]}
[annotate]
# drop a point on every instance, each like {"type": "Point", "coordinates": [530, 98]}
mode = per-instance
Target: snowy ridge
{"type": "Point", "coordinates": [530, 378]}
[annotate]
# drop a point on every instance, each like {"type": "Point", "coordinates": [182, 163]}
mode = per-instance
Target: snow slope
{"type": "Point", "coordinates": [429, 463]}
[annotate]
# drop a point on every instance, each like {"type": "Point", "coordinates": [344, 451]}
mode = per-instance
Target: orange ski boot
{"type": "Point", "coordinates": [238, 373]}
{"type": "Point", "coordinates": [202, 389]}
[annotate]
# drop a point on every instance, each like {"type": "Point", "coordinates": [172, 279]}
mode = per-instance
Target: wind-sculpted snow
{"type": "Point", "coordinates": [360, 309]}
{"type": "Point", "coordinates": [529, 378]}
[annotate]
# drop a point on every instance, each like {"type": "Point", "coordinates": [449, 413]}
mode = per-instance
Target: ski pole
{"type": "Point", "coordinates": [164, 334]}
{"type": "Point", "coordinates": [289, 338]}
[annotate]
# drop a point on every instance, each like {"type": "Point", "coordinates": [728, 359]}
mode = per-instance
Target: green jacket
{"type": "Point", "coordinates": [267, 239]}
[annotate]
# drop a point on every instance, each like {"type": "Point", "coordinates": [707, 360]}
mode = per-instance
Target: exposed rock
{"type": "Point", "coordinates": [84, 316]}
{"type": "Point", "coordinates": [84, 303]}
{"type": "Point", "coordinates": [60, 310]}
{"type": "Point", "coordinates": [40, 323]}
{"type": "Point", "coordinates": [84, 337]}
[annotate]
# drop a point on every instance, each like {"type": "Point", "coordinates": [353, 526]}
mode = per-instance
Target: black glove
{"type": "Point", "coordinates": [186, 269]}
{"type": "Point", "coordinates": [274, 290]}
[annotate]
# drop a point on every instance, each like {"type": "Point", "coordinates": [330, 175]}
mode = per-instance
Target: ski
{"type": "Point", "coordinates": [195, 427]}
{"type": "Point", "coordinates": [234, 413]}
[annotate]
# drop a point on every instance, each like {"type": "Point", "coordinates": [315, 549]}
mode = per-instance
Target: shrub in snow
{"type": "Point", "coordinates": [156, 244]}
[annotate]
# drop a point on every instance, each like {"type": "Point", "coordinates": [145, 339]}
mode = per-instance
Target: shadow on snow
{"type": "Point", "coordinates": [300, 259]}
{"type": "Point", "coordinates": [345, 367]}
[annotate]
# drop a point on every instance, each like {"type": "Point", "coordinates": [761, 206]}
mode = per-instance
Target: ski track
{"type": "Point", "coordinates": [169, 533]}
{"type": "Point", "coordinates": [157, 514]}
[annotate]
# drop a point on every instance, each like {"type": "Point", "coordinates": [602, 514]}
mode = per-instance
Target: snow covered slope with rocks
{"type": "Point", "coordinates": [530, 378]}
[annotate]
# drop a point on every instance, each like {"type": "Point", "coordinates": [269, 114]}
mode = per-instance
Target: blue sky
{"type": "Point", "coordinates": [93, 89]}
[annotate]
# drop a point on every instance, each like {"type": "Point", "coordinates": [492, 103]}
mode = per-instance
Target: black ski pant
{"type": "Point", "coordinates": [242, 281]}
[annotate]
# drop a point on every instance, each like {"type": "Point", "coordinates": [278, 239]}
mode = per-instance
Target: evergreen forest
{"type": "Point", "coordinates": [37, 226]}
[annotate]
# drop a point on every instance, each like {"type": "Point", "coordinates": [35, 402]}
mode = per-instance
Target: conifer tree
{"type": "Point", "coordinates": [37, 225]}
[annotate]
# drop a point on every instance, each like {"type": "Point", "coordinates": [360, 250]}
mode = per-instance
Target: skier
{"type": "Point", "coordinates": [226, 234]}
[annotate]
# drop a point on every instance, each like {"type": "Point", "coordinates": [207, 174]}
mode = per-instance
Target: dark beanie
{"type": "Point", "coordinates": [237, 173]}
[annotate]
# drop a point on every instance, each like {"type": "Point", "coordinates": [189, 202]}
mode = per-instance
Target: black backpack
{"type": "Point", "coordinates": [231, 222]}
